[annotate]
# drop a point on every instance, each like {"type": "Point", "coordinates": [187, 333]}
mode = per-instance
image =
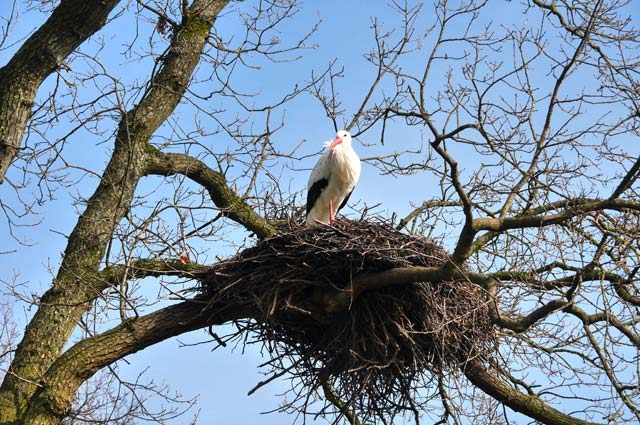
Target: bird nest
{"type": "Point", "coordinates": [376, 351]}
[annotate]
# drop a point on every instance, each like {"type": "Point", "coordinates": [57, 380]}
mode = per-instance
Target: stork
{"type": "Point", "coordinates": [332, 180]}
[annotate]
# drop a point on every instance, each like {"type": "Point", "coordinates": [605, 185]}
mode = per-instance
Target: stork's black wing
{"type": "Point", "coordinates": [314, 192]}
{"type": "Point", "coordinates": [344, 203]}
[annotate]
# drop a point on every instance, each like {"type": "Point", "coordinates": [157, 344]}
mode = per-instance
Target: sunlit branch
{"type": "Point", "coordinates": [330, 394]}
{"type": "Point", "coordinates": [527, 404]}
{"type": "Point", "coordinates": [465, 240]}
{"type": "Point", "coordinates": [426, 205]}
{"type": "Point", "coordinates": [384, 66]}
{"type": "Point", "coordinates": [529, 221]}
{"type": "Point", "coordinates": [590, 319]}
{"type": "Point", "coordinates": [155, 267]}
{"type": "Point", "coordinates": [628, 180]}
{"type": "Point", "coordinates": [230, 204]}
{"type": "Point", "coordinates": [88, 356]}
{"type": "Point", "coordinates": [72, 291]}
{"type": "Point", "coordinates": [70, 24]}
{"type": "Point", "coordinates": [522, 323]}
{"type": "Point", "coordinates": [606, 365]}
{"type": "Point", "coordinates": [542, 141]}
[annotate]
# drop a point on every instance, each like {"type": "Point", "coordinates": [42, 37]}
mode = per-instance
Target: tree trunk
{"type": "Point", "coordinates": [77, 283]}
{"type": "Point", "coordinates": [70, 24]}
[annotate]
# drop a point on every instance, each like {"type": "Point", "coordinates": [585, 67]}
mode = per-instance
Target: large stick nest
{"type": "Point", "coordinates": [389, 341]}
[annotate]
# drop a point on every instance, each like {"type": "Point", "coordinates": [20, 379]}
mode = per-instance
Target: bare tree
{"type": "Point", "coordinates": [525, 131]}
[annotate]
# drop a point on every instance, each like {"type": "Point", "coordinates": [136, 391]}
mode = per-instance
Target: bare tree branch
{"type": "Point", "coordinates": [71, 23]}
{"type": "Point", "coordinates": [222, 195]}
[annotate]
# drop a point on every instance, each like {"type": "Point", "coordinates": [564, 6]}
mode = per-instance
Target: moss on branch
{"type": "Point", "coordinates": [225, 198]}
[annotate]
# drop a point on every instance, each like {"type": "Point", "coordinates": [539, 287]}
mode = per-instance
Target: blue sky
{"type": "Point", "coordinates": [221, 379]}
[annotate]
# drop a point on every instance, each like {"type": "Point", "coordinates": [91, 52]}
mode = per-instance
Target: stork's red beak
{"type": "Point", "coordinates": [335, 143]}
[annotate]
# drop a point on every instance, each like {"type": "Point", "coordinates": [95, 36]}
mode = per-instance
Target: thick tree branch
{"type": "Point", "coordinates": [53, 400]}
{"type": "Point", "coordinates": [529, 221]}
{"type": "Point", "coordinates": [529, 405]}
{"type": "Point", "coordinates": [70, 24]}
{"type": "Point", "coordinates": [628, 180]}
{"type": "Point", "coordinates": [618, 282]}
{"type": "Point", "coordinates": [341, 300]}
{"type": "Point", "coordinates": [521, 323]}
{"type": "Point", "coordinates": [465, 240]}
{"type": "Point", "coordinates": [78, 281]}
{"type": "Point", "coordinates": [154, 267]}
{"type": "Point", "coordinates": [222, 195]}
{"type": "Point", "coordinates": [330, 394]}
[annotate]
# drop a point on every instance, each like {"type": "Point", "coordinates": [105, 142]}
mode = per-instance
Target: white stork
{"type": "Point", "coordinates": [332, 180]}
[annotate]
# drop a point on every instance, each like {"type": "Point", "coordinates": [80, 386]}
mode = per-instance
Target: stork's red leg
{"type": "Point", "coordinates": [332, 218]}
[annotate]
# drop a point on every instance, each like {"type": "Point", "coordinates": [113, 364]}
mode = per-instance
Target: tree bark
{"type": "Point", "coordinates": [529, 405]}
{"type": "Point", "coordinates": [223, 196]}
{"type": "Point", "coordinates": [70, 24]}
{"type": "Point", "coordinates": [52, 401]}
{"type": "Point", "coordinates": [78, 280]}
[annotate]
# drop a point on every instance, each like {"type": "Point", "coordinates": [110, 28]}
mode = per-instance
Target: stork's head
{"type": "Point", "coordinates": [342, 138]}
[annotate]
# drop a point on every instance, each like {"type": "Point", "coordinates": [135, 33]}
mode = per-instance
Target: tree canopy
{"type": "Point", "coordinates": [145, 143]}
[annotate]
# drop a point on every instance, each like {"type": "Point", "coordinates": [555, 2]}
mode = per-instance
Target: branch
{"type": "Point", "coordinates": [50, 403]}
{"type": "Point", "coordinates": [529, 405]}
{"type": "Point", "coordinates": [70, 24]}
{"type": "Point", "coordinates": [398, 50]}
{"type": "Point", "coordinates": [553, 102]}
{"type": "Point", "coordinates": [628, 180]}
{"type": "Point", "coordinates": [426, 205]}
{"type": "Point", "coordinates": [575, 31]}
{"type": "Point", "coordinates": [222, 195]}
{"type": "Point", "coordinates": [331, 395]}
{"type": "Point", "coordinates": [78, 282]}
{"type": "Point", "coordinates": [589, 319]}
{"type": "Point", "coordinates": [154, 267]}
{"type": "Point", "coordinates": [340, 300]}
{"type": "Point", "coordinates": [618, 282]}
{"type": "Point", "coordinates": [528, 221]}
{"type": "Point", "coordinates": [465, 240]}
{"type": "Point", "coordinates": [521, 323]}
